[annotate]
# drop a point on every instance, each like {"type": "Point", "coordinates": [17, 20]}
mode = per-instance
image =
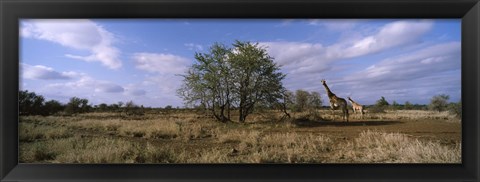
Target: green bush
{"type": "Point", "coordinates": [377, 109]}
{"type": "Point", "coordinates": [77, 105]}
{"type": "Point", "coordinates": [131, 109]}
{"type": "Point", "coordinates": [380, 106]}
{"type": "Point", "coordinates": [439, 102]}
{"type": "Point", "coordinates": [456, 109]}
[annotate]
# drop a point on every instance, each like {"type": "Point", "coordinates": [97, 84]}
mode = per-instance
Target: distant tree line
{"type": "Point", "coordinates": [437, 103]}
{"type": "Point", "coordinates": [31, 103]}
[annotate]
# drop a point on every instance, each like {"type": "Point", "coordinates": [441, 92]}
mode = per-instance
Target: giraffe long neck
{"type": "Point", "coordinates": [353, 102]}
{"type": "Point", "coordinates": [330, 93]}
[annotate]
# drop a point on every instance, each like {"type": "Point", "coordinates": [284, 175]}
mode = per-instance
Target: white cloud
{"type": "Point", "coordinates": [285, 22]}
{"type": "Point", "coordinates": [161, 63]}
{"type": "Point", "coordinates": [391, 35]}
{"type": "Point", "coordinates": [76, 34]}
{"type": "Point", "coordinates": [336, 24]}
{"type": "Point", "coordinates": [95, 90]}
{"type": "Point", "coordinates": [424, 62]}
{"type": "Point", "coordinates": [157, 94]}
{"type": "Point", "coordinates": [418, 75]}
{"type": "Point", "coordinates": [309, 62]}
{"type": "Point", "coordinates": [192, 46]}
{"type": "Point", "coordinates": [163, 81]}
{"type": "Point", "coordinates": [40, 72]}
{"type": "Point", "coordinates": [293, 52]}
{"type": "Point", "coordinates": [108, 88]}
{"type": "Point", "coordinates": [87, 86]}
{"type": "Point", "coordinates": [136, 92]}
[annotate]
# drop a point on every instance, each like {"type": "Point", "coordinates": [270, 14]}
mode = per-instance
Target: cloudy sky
{"type": "Point", "coordinates": [107, 61]}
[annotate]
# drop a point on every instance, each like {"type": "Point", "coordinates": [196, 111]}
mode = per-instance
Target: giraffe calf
{"type": "Point", "coordinates": [356, 107]}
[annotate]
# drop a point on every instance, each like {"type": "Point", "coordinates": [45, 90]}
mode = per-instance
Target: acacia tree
{"type": "Point", "coordinates": [239, 77]}
{"type": "Point", "coordinates": [257, 77]}
{"type": "Point", "coordinates": [209, 83]}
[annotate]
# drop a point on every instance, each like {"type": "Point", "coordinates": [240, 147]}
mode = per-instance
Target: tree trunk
{"type": "Point", "coordinates": [241, 119]}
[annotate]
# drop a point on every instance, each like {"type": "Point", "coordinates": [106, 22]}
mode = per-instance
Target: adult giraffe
{"type": "Point", "coordinates": [336, 102]}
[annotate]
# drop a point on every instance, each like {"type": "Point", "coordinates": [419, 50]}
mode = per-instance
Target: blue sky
{"type": "Point", "coordinates": [107, 61]}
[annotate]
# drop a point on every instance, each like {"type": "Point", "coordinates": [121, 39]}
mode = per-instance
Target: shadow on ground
{"type": "Point", "coordinates": [310, 123]}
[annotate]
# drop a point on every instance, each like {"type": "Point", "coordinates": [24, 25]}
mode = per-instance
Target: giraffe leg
{"type": "Point", "coordinates": [333, 115]}
{"type": "Point", "coordinates": [346, 114]}
{"type": "Point", "coordinates": [361, 112]}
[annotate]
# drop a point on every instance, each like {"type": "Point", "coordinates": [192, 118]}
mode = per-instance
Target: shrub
{"type": "Point", "coordinates": [133, 109]}
{"type": "Point", "coordinates": [53, 107]}
{"type": "Point", "coordinates": [408, 105]}
{"type": "Point", "coordinates": [439, 102]}
{"type": "Point", "coordinates": [377, 109]}
{"type": "Point", "coordinates": [380, 106]}
{"type": "Point", "coordinates": [382, 102]}
{"type": "Point", "coordinates": [456, 109]}
{"type": "Point", "coordinates": [77, 105]}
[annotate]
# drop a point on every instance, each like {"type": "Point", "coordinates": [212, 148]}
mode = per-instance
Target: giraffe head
{"type": "Point", "coordinates": [349, 98]}
{"type": "Point", "coordinates": [323, 81]}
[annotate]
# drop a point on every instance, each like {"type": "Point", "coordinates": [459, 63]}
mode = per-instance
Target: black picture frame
{"type": "Point", "coordinates": [12, 10]}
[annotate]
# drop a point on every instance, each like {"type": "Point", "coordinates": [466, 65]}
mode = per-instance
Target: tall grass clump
{"type": "Point", "coordinates": [237, 136]}
{"type": "Point", "coordinates": [291, 148]}
{"type": "Point", "coordinates": [30, 132]}
{"type": "Point", "coordinates": [36, 152]}
{"type": "Point", "coordinates": [94, 150]}
{"type": "Point", "coordinates": [190, 130]}
{"type": "Point", "coordinates": [374, 146]}
{"type": "Point", "coordinates": [150, 129]}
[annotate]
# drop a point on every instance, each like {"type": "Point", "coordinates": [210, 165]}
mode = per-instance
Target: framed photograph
{"type": "Point", "coordinates": [239, 90]}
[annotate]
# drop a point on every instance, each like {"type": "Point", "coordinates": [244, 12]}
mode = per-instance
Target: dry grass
{"type": "Point", "coordinates": [380, 147]}
{"type": "Point", "coordinates": [149, 129]}
{"type": "Point", "coordinates": [237, 136]}
{"type": "Point", "coordinates": [93, 150]}
{"type": "Point", "coordinates": [392, 115]}
{"type": "Point", "coordinates": [291, 148]}
{"type": "Point", "coordinates": [29, 132]}
{"type": "Point", "coordinates": [413, 115]}
{"type": "Point", "coordinates": [193, 138]}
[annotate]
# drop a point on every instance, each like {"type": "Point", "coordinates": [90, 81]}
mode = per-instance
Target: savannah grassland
{"type": "Point", "coordinates": [186, 136]}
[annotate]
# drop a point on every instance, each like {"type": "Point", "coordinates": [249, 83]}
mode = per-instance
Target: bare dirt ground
{"type": "Point", "coordinates": [447, 132]}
